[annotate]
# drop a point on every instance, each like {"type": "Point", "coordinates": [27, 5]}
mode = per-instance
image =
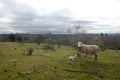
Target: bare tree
{"type": "Point", "coordinates": [76, 32]}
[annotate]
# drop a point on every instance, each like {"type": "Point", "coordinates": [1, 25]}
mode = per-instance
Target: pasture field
{"type": "Point", "coordinates": [54, 64]}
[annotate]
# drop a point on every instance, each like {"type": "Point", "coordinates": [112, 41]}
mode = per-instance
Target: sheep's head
{"type": "Point", "coordinates": [79, 44]}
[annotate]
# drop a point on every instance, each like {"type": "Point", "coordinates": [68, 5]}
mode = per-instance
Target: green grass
{"type": "Point", "coordinates": [54, 65]}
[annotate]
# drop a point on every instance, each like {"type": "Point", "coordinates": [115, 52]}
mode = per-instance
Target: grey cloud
{"type": "Point", "coordinates": [2, 28]}
{"type": "Point", "coordinates": [101, 28]}
{"type": "Point", "coordinates": [83, 22]}
{"type": "Point", "coordinates": [27, 20]}
{"type": "Point", "coordinates": [21, 12]}
{"type": "Point", "coordinates": [46, 31]}
{"type": "Point", "coordinates": [92, 26]}
{"type": "Point", "coordinates": [63, 14]}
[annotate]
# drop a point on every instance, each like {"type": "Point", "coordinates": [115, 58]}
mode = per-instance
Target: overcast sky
{"type": "Point", "coordinates": [58, 16]}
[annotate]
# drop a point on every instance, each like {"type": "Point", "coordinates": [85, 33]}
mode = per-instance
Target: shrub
{"type": "Point", "coordinates": [48, 47]}
{"type": "Point", "coordinates": [30, 51]}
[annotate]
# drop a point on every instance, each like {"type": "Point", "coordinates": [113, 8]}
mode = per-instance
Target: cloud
{"type": "Point", "coordinates": [25, 19]}
{"type": "Point", "coordinates": [21, 17]}
{"type": "Point", "coordinates": [41, 24]}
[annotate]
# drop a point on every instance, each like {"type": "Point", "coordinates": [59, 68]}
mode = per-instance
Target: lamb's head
{"type": "Point", "coordinates": [79, 44]}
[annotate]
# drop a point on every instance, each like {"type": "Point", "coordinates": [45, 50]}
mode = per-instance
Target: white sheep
{"type": "Point", "coordinates": [88, 49]}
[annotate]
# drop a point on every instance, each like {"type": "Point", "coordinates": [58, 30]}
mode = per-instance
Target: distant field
{"type": "Point", "coordinates": [54, 65]}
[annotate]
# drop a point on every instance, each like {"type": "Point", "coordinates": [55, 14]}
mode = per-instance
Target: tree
{"type": "Point", "coordinates": [39, 39]}
{"type": "Point", "coordinates": [4, 38]}
{"type": "Point", "coordinates": [77, 32]}
{"type": "Point", "coordinates": [18, 38]}
{"type": "Point", "coordinates": [11, 37]}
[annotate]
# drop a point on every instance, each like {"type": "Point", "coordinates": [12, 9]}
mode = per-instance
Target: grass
{"type": "Point", "coordinates": [54, 65]}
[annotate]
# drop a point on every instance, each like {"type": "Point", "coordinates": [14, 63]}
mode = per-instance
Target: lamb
{"type": "Point", "coordinates": [73, 57]}
{"type": "Point", "coordinates": [88, 49]}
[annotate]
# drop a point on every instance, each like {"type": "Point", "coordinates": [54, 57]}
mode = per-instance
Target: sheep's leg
{"type": "Point", "coordinates": [86, 56]}
{"type": "Point", "coordinates": [78, 53]}
{"type": "Point", "coordinates": [95, 57]}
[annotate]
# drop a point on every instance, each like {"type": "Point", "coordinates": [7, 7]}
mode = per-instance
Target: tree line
{"type": "Point", "coordinates": [105, 41]}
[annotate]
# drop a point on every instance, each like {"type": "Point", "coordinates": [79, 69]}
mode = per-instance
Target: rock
{"type": "Point", "coordinates": [23, 73]}
{"type": "Point", "coordinates": [13, 61]}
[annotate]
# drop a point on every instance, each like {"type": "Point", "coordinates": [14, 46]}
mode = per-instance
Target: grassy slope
{"type": "Point", "coordinates": [54, 65]}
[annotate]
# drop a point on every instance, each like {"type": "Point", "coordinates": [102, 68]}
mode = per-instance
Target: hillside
{"type": "Point", "coordinates": [54, 64]}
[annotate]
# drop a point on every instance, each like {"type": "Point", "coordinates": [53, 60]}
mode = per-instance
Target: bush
{"type": "Point", "coordinates": [48, 47]}
{"type": "Point", "coordinates": [30, 51]}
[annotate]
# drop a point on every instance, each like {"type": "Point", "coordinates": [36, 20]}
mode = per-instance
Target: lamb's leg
{"type": "Point", "coordinates": [95, 57]}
